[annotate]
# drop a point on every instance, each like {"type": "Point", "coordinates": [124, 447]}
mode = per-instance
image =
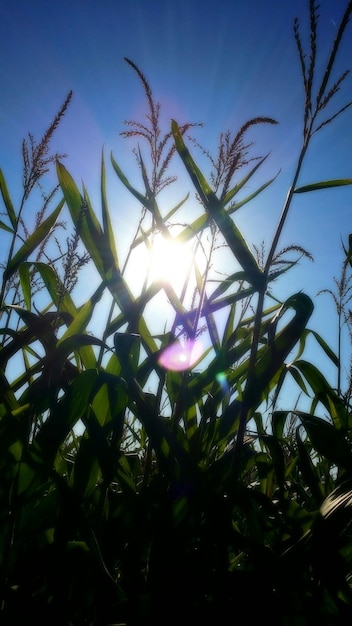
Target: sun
{"type": "Point", "coordinates": [175, 267]}
{"type": "Point", "coordinates": [171, 261]}
{"type": "Point", "coordinates": [159, 259]}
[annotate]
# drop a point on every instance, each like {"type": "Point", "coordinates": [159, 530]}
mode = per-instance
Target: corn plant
{"type": "Point", "coordinates": [142, 480]}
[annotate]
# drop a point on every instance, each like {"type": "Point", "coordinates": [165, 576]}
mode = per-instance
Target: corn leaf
{"type": "Point", "coordinates": [81, 213]}
{"type": "Point", "coordinates": [237, 205]}
{"type": "Point", "coordinates": [217, 212]}
{"type": "Point", "coordinates": [79, 318]}
{"type": "Point", "coordinates": [7, 201]}
{"type": "Point", "coordinates": [4, 227]}
{"type": "Point", "coordinates": [326, 184]}
{"type": "Point", "coordinates": [236, 188]}
{"type": "Point", "coordinates": [107, 226]}
{"type": "Point", "coordinates": [309, 472]}
{"type": "Point", "coordinates": [142, 199]}
{"type": "Point", "coordinates": [24, 276]}
{"type": "Point", "coordinates": [327, 440]}
{"type": "Point", "coordinates": [32, 242]}
{"type": "Point", "coordinates": [270, 359]}
{"type": "Point", "coordinates": [324, 393]}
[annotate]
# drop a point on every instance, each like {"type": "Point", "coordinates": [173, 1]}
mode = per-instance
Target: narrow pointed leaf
{"type": "Point", "coordinates": [4, 227]}
{"type": "Point", "coordinates": [201, 184]}
{"type": "Point", "coordinates": [33, 241]}
{"type": "Point", "coordinates": [216, 210]}
{"type": "Point", "coordinates": [327, 440]}
{"type": "Point", "coordinates": [236, 188]}
{"type": "Point", "coordinates": [7, 201]}
{"type": "Point", "coordinates": [67, 306]}
{"type": "Point", "coordinates": [82, 318]}
{"type": "Point", "coordinates": [149, 231]}
{"type": "Point", "coordinates": [142, 199]}
{"type": "Point", "coordinates": [309, 472]}
{"type": "Point", "coordinates": [24, 276]}
{"type": "Point", "coordinates": [327, 184]}
{"type": "Point", "coordinates": [237, 205]}
{"type": "Point", "coordinates": [107, 226]}
{"type": "Point", "coordinates": [324, 393]}
{"type": "Point", "coordinates": [271, 359]}
{"type": "Point", "coordinates": [89, 229]}
{"type": "Point", "coordinates": [328, 351]}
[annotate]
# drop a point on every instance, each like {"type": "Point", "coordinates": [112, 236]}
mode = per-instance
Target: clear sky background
{"type": "Point", "coordinates": [219, 62]}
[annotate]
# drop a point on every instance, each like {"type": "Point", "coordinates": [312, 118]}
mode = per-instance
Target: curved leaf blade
{"type": "Point", "coordinates": [326, 184]}
{"type": "Point", "coordinates": [33, 241]}
{"type": "Point", "coordinates": [216, 210]}
{"type": "Point", "coordinates": [7, 201]}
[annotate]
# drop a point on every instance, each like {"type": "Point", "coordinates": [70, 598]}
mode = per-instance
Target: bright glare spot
{"type": "Point", "coordinates": [170, 261]}
{"type": "Point", "coordinates": [181, 356]}
{"type": "Point", "coordinates": [222, 380]}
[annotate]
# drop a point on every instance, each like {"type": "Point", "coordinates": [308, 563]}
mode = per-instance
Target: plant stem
{"type": "Point", "coordinates": [243, 418]}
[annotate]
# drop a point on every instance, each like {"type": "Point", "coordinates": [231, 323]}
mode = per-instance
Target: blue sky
{"type": "Point", "coordinates": [218, 62]}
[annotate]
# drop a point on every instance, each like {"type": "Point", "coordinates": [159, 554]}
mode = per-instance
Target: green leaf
{"type": "Point", "coordinates": [271, 358]}
{"type": "Point", "coordinates": [323, 392]}
{"type": "Point", "coordinates": [67, 412]}
{"type": "Point", "coordinates": [327, 440]}
{"type": "Point", "coordinates": [191, 230]}
{"type": "Point", "coordinates": [298, 378]}
{"type": "Point", "coordinates": [226, 283]}
{"type": "Point", "coordinates": [67, 306]}
{"type": "Point", "coordinates": [127, 346]}
{"type": "Point", "coordinates": [8, 204]}
{"type": "Point", "coordinates": [48, 275]}
{"type": "Point", "coordinates": [277, 456]}
{"type": "Point", "coordinates": [217, 212]}
{"type": "Point", "coordinates": [326, 184]}
{"type": "Point", "coordinates": [83, 316]}
{"type": "Point", "coordinates": [96, 241]}
{"type": "Point", "coordinates": [82, 216]}
{"type": "Point", "coordinates": [330, 353]}
{"type": "Point", "coordinates": [232, 192]}
{"type": "Point", "coordinates": [142, 199]}
{"type": "Point", "coordinates": [24, 276]}
{"type": "Point", "coordinates": [33, 241]}
{"type": "Point", "coordinates": [278, 421]}
{"type": "Point", "coordinates": [237, 205]}
{"type": "Point", "coordinates": [86, 472]}
{"type": "Point", "coordinates": [4, 227]}
{"type": "Point", "coordinates": [107, 226]}
{"type": "Point", "coordinates": [185, 235]}
{"type": "Point", "coordinates": [309, 471]}
{"type": "Point", "coordinates": [338, 501]}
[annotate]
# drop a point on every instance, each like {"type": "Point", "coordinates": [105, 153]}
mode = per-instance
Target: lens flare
{"type": "Point", "coordinates": [222, 380]}
{"type": "Point", "coordinates": [181, 356]}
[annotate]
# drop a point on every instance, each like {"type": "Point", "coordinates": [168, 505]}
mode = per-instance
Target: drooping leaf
{"type": "Point", "coordinates": [327, 440]}
{"type": "Point", "coordinates": [271, 359]}
{"type": "Point", "coordinates": [324, 393]}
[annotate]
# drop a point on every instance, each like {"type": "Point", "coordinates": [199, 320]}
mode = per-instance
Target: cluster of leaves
{"type": "Point", "coordinates": [135, 493]}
